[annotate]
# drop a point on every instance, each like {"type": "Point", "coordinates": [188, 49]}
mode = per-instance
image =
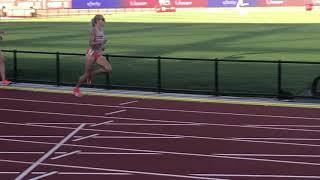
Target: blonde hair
{"type": "Point", "coordinates": [95, 19]}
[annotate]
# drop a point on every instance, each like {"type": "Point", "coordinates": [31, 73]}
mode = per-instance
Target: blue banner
{"type": "Point", "coordinates": [232, 3]}
{"type": "Point", "coordinates": [95, 4]}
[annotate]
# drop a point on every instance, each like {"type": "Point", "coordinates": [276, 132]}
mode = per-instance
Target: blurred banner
{"type": "Point", "coordinates": [139, 3]}
{"type": "Point", "coordinates": [58, 4]}
{"type": "Point", "coordinates": [95, 4]}
{"type": "Point", "coordinates": [153, 3]}
{"type": "Point", "coordinates": [232, 3]}
{"type": "Point", "coordinates": [265, 3]}
{"type": "Point", "coordinates": [191, 3]}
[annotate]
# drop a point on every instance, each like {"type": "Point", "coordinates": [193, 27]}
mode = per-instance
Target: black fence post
{"type": "Point", "coordinates": [159, 75]}
{"type": "Point", "coordinates": [15, 65]}
{"type": "Point", "coordinates": [216, 77]}
{"type": "Point", "coordinates": [58, 69]}
{"type": "Point", "coordinates": [279, 78]}
{"type": "Point", "coordinates": [108, 74]}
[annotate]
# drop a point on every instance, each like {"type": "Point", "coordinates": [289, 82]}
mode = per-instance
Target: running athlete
{"type": "Point", "coordinates": [94, 54]}
{"type": "Point", "coordinates": [4, 81]}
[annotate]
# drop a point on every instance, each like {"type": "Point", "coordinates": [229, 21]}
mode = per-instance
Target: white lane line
{"type": "Point", "coordinates": [279, 139]}
{"type": "Point", "coordinates": [94, 130]}
{"type": "Point", "coordinates": [85, 137]}
{"type": "Point", "coordinates": [180, 153]}
{"type": "Point", "coordinates": [169, 110]}
{"type": "Point", "coordinates": [49, 153]}
{"type": "Point", "coordinates": [64, 155]}
{"type": "Point", "coordinates": [117, 170]}
{"type": "Point", "coordinates": [92, 116]}
{"type": "Point", "coordinates": [139, 137]}
{"type": "Point", "coordinates": [282, 125]}
{"type": "Point", "coordinates": [86, 153]}
{"type": "Point", "coordinates": [44, 175]}
{"type": "Point", "coordinates": [272, 155]}
{"type": "Point", "coordinates": [21, 152]}
{"type": "Point", "coordinates": [116, 153]}
{"type": "Point", "coordinates": [257, 176]}
{"type": "Point", "coordinates": [98, 124]}
{"type": "Point", "coordinates": [163, 137]}
{"type": "Point", "coordinates": [209, 124]}
{"type": "Point", "coordinates": [126, 103]}
{"type": "Point", "coordinates": [106, 153]}
{"type": "Point", "coordinates": [88, 173]}
{"type": "Point", "coordinates": [115, 112]}
{"type": "Point", "coordinates": [31, 136]}
{"type": "Point", "coordinates": [71, 173]}
{"type": "Point", "coordinates": [123, 124]}
{"type": "Point", "coordinates": [183, 136]}
{"type": "Point", "coordinates": [101, 137]}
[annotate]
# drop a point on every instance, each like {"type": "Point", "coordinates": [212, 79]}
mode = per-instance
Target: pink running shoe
{"type": "Point", "coordinates": [6, 83]}
{"type": "Point", "coordinates": [76, 91]}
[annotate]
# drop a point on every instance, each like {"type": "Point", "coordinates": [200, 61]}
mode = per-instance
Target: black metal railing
{"type": "Point", "coordinates": [166, 74]}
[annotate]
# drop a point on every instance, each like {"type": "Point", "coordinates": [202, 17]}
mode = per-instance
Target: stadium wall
{"type": "Point", "coordinates": [95, 4]}
{"type": "Point", "coordinates": [26, 8]}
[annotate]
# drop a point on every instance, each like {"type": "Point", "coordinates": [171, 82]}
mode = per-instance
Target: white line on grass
{"type": "Point", "coordinates": [64, 155]}
{"type": "Point", "coordinates": [49, 153]}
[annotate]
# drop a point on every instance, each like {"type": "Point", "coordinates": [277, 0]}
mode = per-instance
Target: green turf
{"type": "Point", "coordinates": [253, 34]}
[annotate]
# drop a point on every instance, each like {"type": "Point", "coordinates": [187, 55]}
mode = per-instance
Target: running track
{"type": "Point", "coordinates": [56, 136]}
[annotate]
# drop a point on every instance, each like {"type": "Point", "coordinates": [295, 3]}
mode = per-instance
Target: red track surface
{"type": "Point", "coordinates": [61, 137]}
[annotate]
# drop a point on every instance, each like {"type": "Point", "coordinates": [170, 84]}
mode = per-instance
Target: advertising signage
{"type": "Point", "coordinates": [139, 3]}
{"type": "Point", "coordinates": [191, 3]}
{"type": "Point", "coordinates": [95, 4]}
{"type": "Point", "coordinates": [265, 3]}
{"type": "Point", "coordinates": [232, 3]}
{"type": "Point", "coordinates": [153, 3]}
